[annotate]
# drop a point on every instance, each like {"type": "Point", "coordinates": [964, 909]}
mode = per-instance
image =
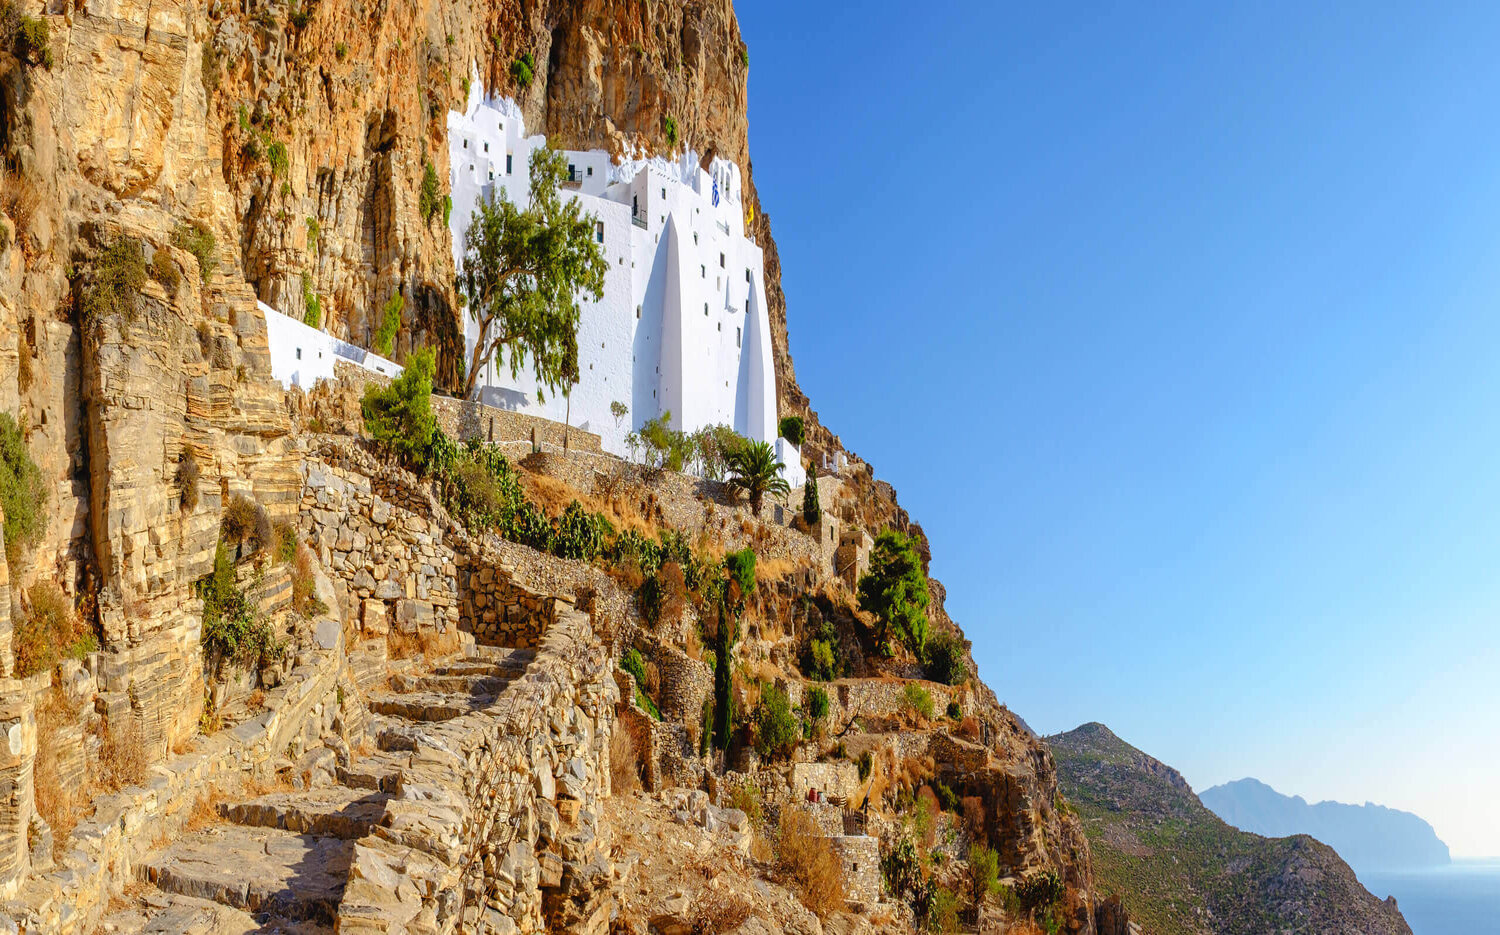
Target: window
{"type": "Point", "coordinates": [721, 326]}
{"type": "Point", "coordinates": [695, 238]}
{"type": "Point", "coordinates": [599, 231]}
{"type": "Point", "coordinates": [736, 337]}
{"type": "Point", "coordinates": [637, 313]}
{"type": "Point", "coordinates": [486, 147]}
{"type": "Point", "coordinates": [721, 261]}
{"type": "Point", "coordinates": [492, 175]}
{"type": "Point", "coordinates": [702, 271]}
{"type": "Point", "coordinates": [664, 193]}
{"type": "Point", "coordinates": [705, 309]}
{"type": "Point", "coordinates": [299, 353]}
{"type": "Point", "coordinates": [747, 274]}
{"type": "Point", "coordinates": [466, 144]}
{"type": "Point", "coordinates": [591, 171]}
{"type": "Point", "coordinates": [509, 170]}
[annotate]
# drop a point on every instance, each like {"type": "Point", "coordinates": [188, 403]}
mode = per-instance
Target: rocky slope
{"type": "Point", "coordinates": [1183, 871]}
{"type": "Point", "coordinates": [1369, 836]}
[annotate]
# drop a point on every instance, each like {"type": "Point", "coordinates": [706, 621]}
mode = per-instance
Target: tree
{"type": "Point", "coordinates": [776, 729]}
{"type": "Point", "coordinates": [400, 416]}
{"type": "Point", "coordinates": [895, 591]}
{"type": "Point", "coordinates": [754, 469]}
{"type": "Point", "coordinates": [791, 429]}
{"type": "Point", "coordinates": [812, 513]}
{"type": "Point", "coordinates": [390, 323]}
{"type": "Point", "coordinates": [523, 272]}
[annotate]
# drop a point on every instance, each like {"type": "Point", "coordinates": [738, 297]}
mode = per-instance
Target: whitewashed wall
{"type": "Point", "coordinates": [301, 355]}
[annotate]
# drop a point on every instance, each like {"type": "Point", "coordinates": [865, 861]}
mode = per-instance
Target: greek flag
{"type": "Point", "coordinates": [716, 193]}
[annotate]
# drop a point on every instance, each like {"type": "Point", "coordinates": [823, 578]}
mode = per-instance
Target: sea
{"type": "Point", "coordinates": [1462, 898]}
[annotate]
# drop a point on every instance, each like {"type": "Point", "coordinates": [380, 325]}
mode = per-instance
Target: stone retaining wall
{"type": "Point", "coordinates": [464, 419]}
{"type": "Point", "coordinates": [498, 612]}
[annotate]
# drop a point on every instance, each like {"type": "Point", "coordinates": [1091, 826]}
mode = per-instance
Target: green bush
{"type": "Point", "coordinates": [202, 244]}
{"type": "Point", "coordinates": [34, 36]}
{"type": "Point", "coordinates": [741, 568]}
{"type": "Point", "coordinates": [390, 323]}
{"type": "Point", "coordinates": [164, 271]}
{"type": "Point", "coordinates": [744, 56]}
{"type": "Point", "coordinates": [523, 69]}
{"type": "Point", "coordinates": [114, 281]}
{"type": "Point", "coordinates": [895, 591]}
{"type": "Point", "coordinates": [580, 534]}
{"type": "Point", "coordinates": [942, 911]}
{"type": "Point", "coordinates": [313, 316]}
{"type": "Point", "coordinates": [428, 202]}
{"type": "Point", "coordinates": [314, 231]}
{"type": "Point", "coordinates": [954, 711]}
{"type": "Point", "coordinates": [233, 630]}
{"type": "Point", "coordinates": [633, 663]}
{"type": "Point", "coordinates": [984, 873]}
{"type": "Point", "coordinates": [246, 522]}
{"type": "Point", "coordinates": [947, 798]}
{"type": "Point", "coordinates": [285, 537]}
{"type": "Point", "coordinates": [817, 703]}
{"type": "Point", "coordinates": [917, 700]}
{"type": "Point", "coordinates": [791, 429]}
{"type": "Point", "coordinates": [277, 157]}
{"type": "Point", "coordinates": [865, 764]}
{"type": "Point", "coordinates": [822, 659]}
{"type": "Point", "coordinates": [1040, 892]}
{"type": "Point", "coordinates": [49, 630]}
{"type": "Point", "coordinates": [901, 867]}
{"type": "Point", "coordinates": [669, 127]}
{"type": "Point", "coordinates": [399, 416]}
{"type": "Point", "coordinates": [447, 209]}
{"type": "Point", "coordinates": [23, 492]}
{"type": "Point", "coordinates": [340, 50]}
{"type": "Point", "coordinates": [944, 659]}
{"type": "Point", "coordinates": [776, 727]}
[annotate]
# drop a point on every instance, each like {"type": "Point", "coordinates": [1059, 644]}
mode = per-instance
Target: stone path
{"type": "Point", "coordinates": [282, 859]}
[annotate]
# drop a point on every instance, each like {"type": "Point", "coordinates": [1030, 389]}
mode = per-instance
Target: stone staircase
{"type": "Point", "coordinates": [282, 858]}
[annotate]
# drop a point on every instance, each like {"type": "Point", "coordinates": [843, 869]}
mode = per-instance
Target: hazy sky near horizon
{"type": "Point", "coordinates": [1178, 329]}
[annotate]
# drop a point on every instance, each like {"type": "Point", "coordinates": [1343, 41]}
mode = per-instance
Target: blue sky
{"type": "Point", "coordinates": [1178, 332]}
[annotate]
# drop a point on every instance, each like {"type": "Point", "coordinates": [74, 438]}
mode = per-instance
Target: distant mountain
{"type": "Point", "coordinates": [1369, 837]}
{"type": "Point", "coordinates": [1183, 871]}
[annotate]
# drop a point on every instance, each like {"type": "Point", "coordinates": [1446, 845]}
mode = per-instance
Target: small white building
{"type": "Point", "coordinates": [682, 325]}
{"type": "Point", "coordinates": [302, 355]}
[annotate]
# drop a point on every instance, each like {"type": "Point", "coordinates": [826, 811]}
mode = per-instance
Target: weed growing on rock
{"type": "Point", "coordinates": [49, 630]}
{"type": "Point", "coordinates": [806, 862]}
{"type": "Point", "coordinates": [202, 244]}
{"type": "Point", "coordinates": [113, 283]}
{"type": "Point", "coordinates": [23, 493]}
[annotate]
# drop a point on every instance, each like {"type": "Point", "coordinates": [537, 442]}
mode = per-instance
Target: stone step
{"type": "Point", "coordinates": [469, 684]}
{"type": "Point", "coordinates": [158, 913]}
{"type": "Point", "coordinates": [280, 874]}
{"type": "Point", "coordinates": [376, 772]}
{"type": "Point", "coordinates": [339, 812]}
{"type": "Point", "coordinates": [428, 706]}
{"type": "Point", "coordinates": [505, 667]}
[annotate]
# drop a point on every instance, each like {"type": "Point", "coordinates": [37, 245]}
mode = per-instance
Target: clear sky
{"type": "Point", "coordinates": [1177, 327]}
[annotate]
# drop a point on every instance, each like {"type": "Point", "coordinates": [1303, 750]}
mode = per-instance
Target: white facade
{"type": "Point", "coordinates": [683, 322]}
{"type": "Point", "coordinates": [302, 355]}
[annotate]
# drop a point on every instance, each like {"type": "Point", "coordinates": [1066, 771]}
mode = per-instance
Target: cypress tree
{"type": "Point", "coordinates": [812, 513]}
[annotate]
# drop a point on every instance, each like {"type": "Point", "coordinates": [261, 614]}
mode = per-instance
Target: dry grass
{"type": "Point", "coordinates": [19, 200]}
{"type": "Point", "coordinates": [624, 770]}
{"type": "Point", "coordinates": [122, 754]}
{"type": "Point", "coordinates": [256, 701]}
{"type": "Point", "coordinates": [718, 911]}
{"type": "Point", "coordinates": [60, 805]}
{"type": "Point", "coordinates": [205, 810]}
{"type": "Point", "coordinates": [426, 643]}
{"type": "Point", "coordinates": [805, 861]}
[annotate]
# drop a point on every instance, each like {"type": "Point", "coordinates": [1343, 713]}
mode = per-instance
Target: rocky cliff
{"type": "Point", "coordinates": [168, 164]}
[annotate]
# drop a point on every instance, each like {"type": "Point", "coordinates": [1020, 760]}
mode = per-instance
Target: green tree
{"type": "Point", "coordinates": [812, 512]}
{"type": "Point", "coordinates": [895, 591]}
{"type": "Point", "coordinates": [791, 429]}
{"type": "Point", "coordinates": [776, 730]}
{"type": "Point", "coordinates": [754, 469]}
{"type": "Point", "coordinates": [399, 416]}
{"type": "Point", "coordinates": [23, 493]}
{"type": "Point", "coordinates": [984, 874]}
{"type": "Point", "coordinates": [522, 274]}
{"type": "Point", "coordinates": [943, 659]}
{"type": "Point", "coordinates": [390, 323]}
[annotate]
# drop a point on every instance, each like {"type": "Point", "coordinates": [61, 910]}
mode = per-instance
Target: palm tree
{"type": "Point", "coordinates": [754, 469]}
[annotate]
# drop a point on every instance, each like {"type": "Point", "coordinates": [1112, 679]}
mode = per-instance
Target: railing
{"type": "Point", "coordinates": [638, 221]}
{"type": "Point", "coordinates": [723, 226]}
{"type": "Point", "coordinates": [572, 183]}
{"type": "Point", "coordinates": [854, 821]}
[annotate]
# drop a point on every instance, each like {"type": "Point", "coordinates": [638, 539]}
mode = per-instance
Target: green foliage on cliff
{"type": "Point", "coordinates": [428, 201]}
{"type": "Point", "coordinates": [776, 727]}
{"type": "Point", "coordinates": [23, 492]}
{"type": "Point", "coordinates": [201, 243]}
{"type": "Point", "coordinates": [390, 323]}
{"type": "Point", "coordinates": [523, 69]}
{"type": "Point", "coordinates": [233, 629]}
{"type": "Point", "coordinates": [791, 429]}
{"type": "Point", "coordinates": [399, 416]}
{"type": "Point", "coordinates": [944, 660]}
{"type": "Point", "coordinates": [112, 284]}
{"type": "Point", "coordinates": [669, 127]}
{"type": "Point", "coordinates": [49, 630]}
{"type": "Point", "coordinates": [895, 591]}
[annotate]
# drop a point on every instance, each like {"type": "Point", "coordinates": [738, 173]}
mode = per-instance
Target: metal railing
{"type": "Point", "coordinates": [639, 221]}
{"type": "Point", "coordinates": [723, 226]}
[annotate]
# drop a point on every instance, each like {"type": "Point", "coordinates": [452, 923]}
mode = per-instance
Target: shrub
{"type": "Point", "coordinates": [115, 280]}
{"type": "Point", "coordinates": [954, 711]}
{"type": "Point", "coordinates": [776, 727]}
{"type": "Point", "coordinates": [744, 56]}
{"type": "Point", "coordinates": [286, 541]}
{"type": "Point", "coordinates": [428, 202]}
{"type": "Point", "coordinates": [917, 700]}
{"type": "Point", "coordinates": [187, 481]}
{"type": "Point", "coordinates": [49, 630]}
{"type": "Point", "coordinates": [669, 127]}
{"type": "Point", "coordinates": [746, 796]}
{"type": "Point", "coordinates": [895, 591]}
{"type": "Point", "coordinates": [945, 660]}
{"type": "Point", "coordinates": [210, 72]}
{"type": "Point", "coordinates": [580, 534]}
{"type": "Point", "coordinates": [984, 874]}
{"type": "Point", "coordinates": [812, 512]}
{"type": "Point", "coordinates": [340, 50]}
{"type": "Point", "coordinates": [624, 769]}
{"type": "Point", "coordinates": [619, 410]}
{"type": "Point", "coordinates": [390, 323]}
{"type": "Point", "coordinates": [448, 203]}
{"type": "Point", "coordinates": [791, 429]}
{"type": "Point", "coordinates": [523, 69]}
{"type": "Point", "coordinates": [901, 868]}
{"type": "Point", "coordinates": [865, 765]}
{"type": "Point", "coordinates": [821, 658]}
{"type": "Point", "coordinates": [664, 447]}
{"type": "Point", "coordinates": [23, 492]}
{"type": "Point", "coordinates": [299, 17]}
{"type": "Point", "coordinates": [164, 271]}
{"type": "Point", "coordinates": [245, 521]}
{"type": "Point", "coordinates": [305, 600]}
{"type": "Point", "coordinates": [946, 797]}
{"type": "Point", "coordinates": [399, 416]}
{"type": "Point", "coordinates": [202, 244]}
{"type": "Point", "coordinates": [817, 703]}
{"type": "Point", "coordinates": [313, 316]}
{"type": "Point", "coordinates": [806, 862]}
{"type": "Point", "coordinates": [232, 628]}
{"type": "Point", "coordinates": [277, 157]}
{"type": "Point", "coordinates": [35, 38]}
{"type": "Point", "coordinates": [1039, 893]}
{"type": "Point", "coordinates": [122, 753]}
{"type": "Point", "coordinates": [741, 568]}
{"type": "Point", "coordinates": [633, 663]}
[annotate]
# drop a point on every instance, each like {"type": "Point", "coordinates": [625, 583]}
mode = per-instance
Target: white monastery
{"type": "Point", "coordinates": [682, 325]}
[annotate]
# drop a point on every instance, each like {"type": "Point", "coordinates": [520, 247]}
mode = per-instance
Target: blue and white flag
{"type": "Point", "coordinates": [716, 193]}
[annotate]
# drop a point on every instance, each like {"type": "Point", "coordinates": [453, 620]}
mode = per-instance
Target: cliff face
{"type": "Point", "coordinates": [299, 135]}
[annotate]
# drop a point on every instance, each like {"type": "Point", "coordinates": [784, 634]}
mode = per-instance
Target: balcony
{"type": "Point", "coordinates": [723, 226]}
{"type": "Point", "coordinates": [639, 220]}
